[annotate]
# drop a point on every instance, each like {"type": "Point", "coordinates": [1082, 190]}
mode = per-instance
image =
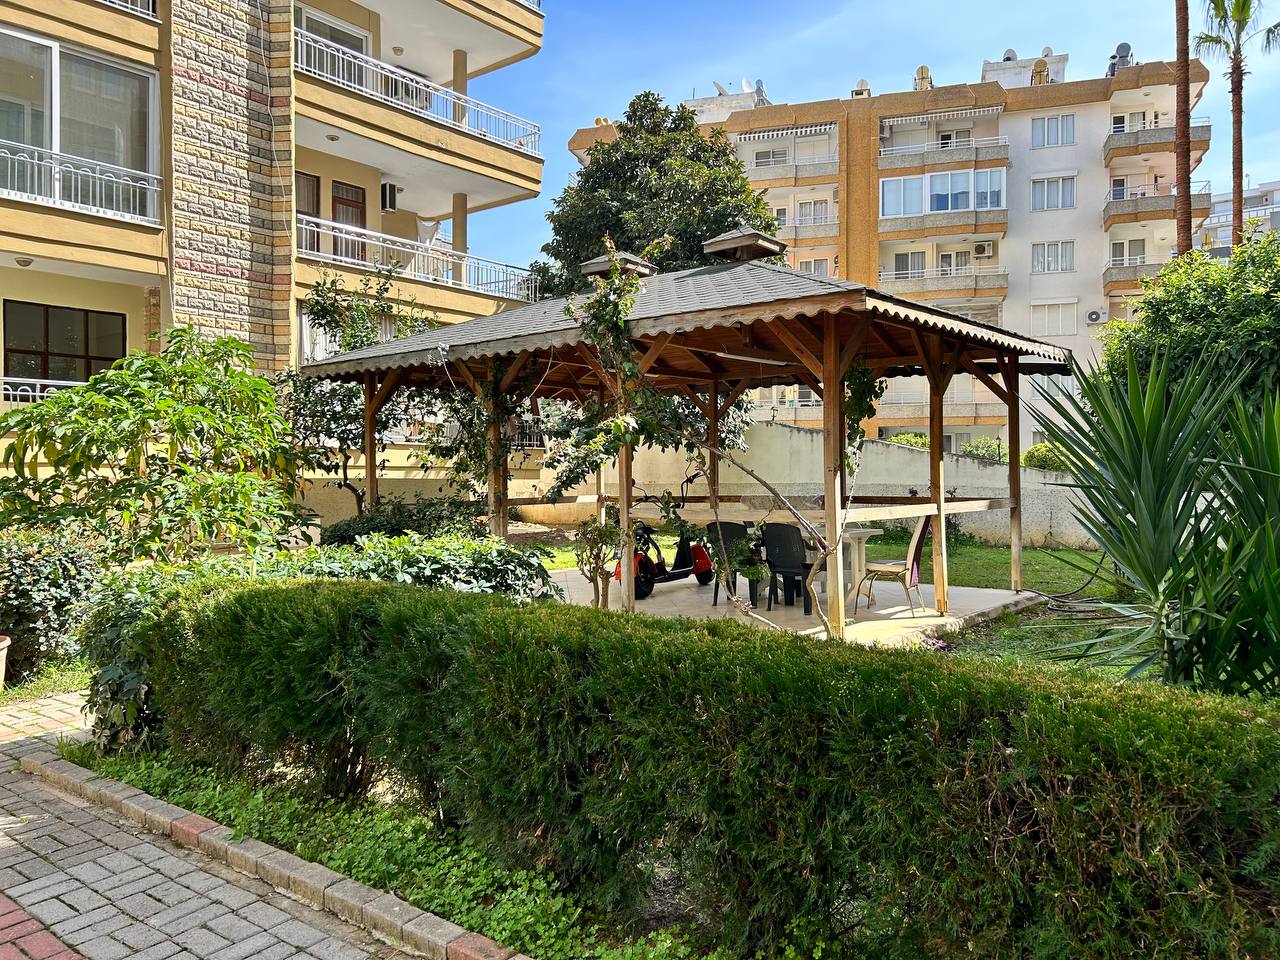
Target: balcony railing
{"type": "Point", "coordinates": [1133, 126]}
{"type": "Point", "coordinates": [1140, 260]}
{"type": "Point", "coordinates": [790, 161]}
{"type": "Point", "coordinates": [1166, 188]}
{"type": "Point", "coordinates": [973, 270]}
{"type": "Point", "coordinates": [365, 250]}
{"type": "Point", "coordinates": [535, 4]}
{"type": "Point", "coordinates": [411, 93]}
{"type": "Point", "coordinates": [908, 148]}
{"type": "Point", "coordinates": [822, 221]}
{"type": "Point", "coordinates": [27, 390]}
{"type": "Point", "coordinates": [1250, 213]}
{"type": "Point", "coordinates": [529, 435]}
{"type": "Point", "coordinates": [145, 7]}
{"type": "Point", "coordinates": [42, 176]}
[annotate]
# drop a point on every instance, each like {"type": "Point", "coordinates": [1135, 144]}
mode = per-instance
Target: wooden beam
{"type": "Point", "coordinates": [1014, 401]}
{"type": "Point", "coordinates": [698, 402]}
{"type": "Point", "coordinates": [370, 443]}
{"type": "Point", "coordinates": [696, 360]}
{"type": "Point", "coordinates": [798, 349]}
{"type": "Point", "coordinates": [854, 344]}
{"type": "Point", "coordinates": [654, 352]}
{"type": "Point", "coordinates": [592, 361]}
{"type": "Point", "coordinates": [497, 483]}
{"type": "Point", "coordinates": [985, 379]}
{"type": "Point", "coordinates": [832, 470]}
{"type": "Point", "coordinates": [810, 381]}
{"type": "Point", "coordinates": [713, 441]}
{"type": "Point", "coordinates": [469, 378]}
{"type": "Point", "coordinates": [624, 521]}
{"type": "Point", "coordinates": [741, 387]}
{"type": "Point", "coordinates": [513, 371]}
{"type": "Point", "coordinates": [745, 350]}
{"type": "Point", "coordinates": [389, 386]}
{"type": "Point", "coordinates": [937, 482]}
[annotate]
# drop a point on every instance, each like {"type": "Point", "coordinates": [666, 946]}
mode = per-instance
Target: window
{"type": "Point", "coordinates": [781, 214]}
{"type": "Point", "coordinates": [955, 138]}
{"type": "Point", "coordinates": [988, 189]}
{"type": "Point", "coordinates": [771, 158]}
{"type": "Point", "coordinates": [1053, 193]}
{"type": "Point", "coordinates": [335, 31]}
{"type": "Point", "coordinates": [348, 210]}
{"type": "Point", "coordinates": [902, 197]}
{"type": "Point", "coordinates": [1057, 131]}
{"type": "Point", "coordinates": [1053, 384]}
{"type": "Point", "coordinates": [1053, 319]}
{"type": "Point", "coordinates": [1057, 256]}
{"type": "Point", "coordinates": [948, 191]}
{"type": "Point", "coordinates": [1125, 123]}
{"type": "Point", "coordinates": [954, 263]}
{"type": "Point", "coordinates": [1131, 254]}
{"type": "Point", "coordinates": [909, 265]}
{"type": "Point", "coordinates": [1039, 436]}
{"type": "Point", "coordinates": [819, 267]}
{"type": "Point", "coordinates": [78, 105]}
{"type": "Point", "coordinates": [307, 199]}
{"type": "Point", "coordinates": [60, 343]}
{"type": "Point", "coordinates": [813, 211]}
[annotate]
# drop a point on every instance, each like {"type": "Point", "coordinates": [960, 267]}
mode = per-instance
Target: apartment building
{"type": "Point", "coordinates": [1026, 200]}
{"type": "Point", "coordinates": [201, 162]}
{"type": "Point", "coordinates": [1261, 207]}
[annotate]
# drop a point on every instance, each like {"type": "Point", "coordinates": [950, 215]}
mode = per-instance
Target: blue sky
{"type": "Point", "coordinates": [598, 53]}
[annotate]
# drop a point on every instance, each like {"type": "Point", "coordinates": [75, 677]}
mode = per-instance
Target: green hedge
{"type": "Point", "coordinates": [889, 804]}
{"type": "Point", "coordinates": [437, 517]}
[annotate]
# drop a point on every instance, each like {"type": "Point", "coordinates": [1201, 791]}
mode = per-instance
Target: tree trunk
{"type": "Point", "coordinates": [1237, 147]}
{"type": "Point", "coordinates": [1182, 127]}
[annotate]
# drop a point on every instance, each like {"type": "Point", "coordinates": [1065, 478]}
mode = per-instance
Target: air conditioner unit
{"type": "Point", "coordinates": [983, 251]}
{"type": "Point", "coordinates": [389, 198]}
{"type": "Point", "coordinates": [1096, 316]}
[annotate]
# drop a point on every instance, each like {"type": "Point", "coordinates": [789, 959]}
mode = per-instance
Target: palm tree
{"type": "Point", "coordinates": [1232, 25]}
{"type": "Point", "coordinates": [1182, 127]}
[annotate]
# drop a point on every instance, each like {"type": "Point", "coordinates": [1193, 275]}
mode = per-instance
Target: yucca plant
{"type": "Point", "coordinates": [1176, 481]}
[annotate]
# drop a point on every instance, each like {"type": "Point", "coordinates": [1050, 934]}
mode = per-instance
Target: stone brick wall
{"type": "Point", "coordinates": [231, 171]}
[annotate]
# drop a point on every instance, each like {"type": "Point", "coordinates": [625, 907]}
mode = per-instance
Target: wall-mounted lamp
{"type": "Point", "coordinates": [331, 137]}
{"type": "Point", "coordinates": [23, 261]}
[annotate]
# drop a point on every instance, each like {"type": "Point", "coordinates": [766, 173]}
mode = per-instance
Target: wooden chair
{"type": "Point", "coordinates": [728, 534]}
{"type": "Point", "coordinates": [906, 572]}
{"type": "Point", "coordinates": [784, 552]}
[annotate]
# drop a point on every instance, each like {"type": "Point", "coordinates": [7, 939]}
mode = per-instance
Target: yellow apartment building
{"type": "Point", "coordinates": [201, 161]}
{"type": "Point", "coordinates": [1026, 200]}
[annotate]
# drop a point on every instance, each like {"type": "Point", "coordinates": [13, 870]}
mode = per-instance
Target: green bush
{"type": "Point", "coordinates": [126, 607]}
{"type": "Point", "coordinates": [440, 517]}
{"type": "Point", "coordinates": [986, 448]}
{"type": "Point", "coordinates": [892, 804]}
{"type": "Point", "coordinates": [44, 574]}
{"type": "Point", "coordinates": [919, 441]}
{"type": "Point", "coordinates": [1045, 456]}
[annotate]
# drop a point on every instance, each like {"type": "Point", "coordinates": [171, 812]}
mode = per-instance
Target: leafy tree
{"type": "Point", "coordinates": [661, 177]}
{"type": "Point", "coordinates": [1232, 25]}
{"type": "Point", "coordinates": [1226, 313]}
{"type": "Point", "coordinates": [162, 456]}
{"type": "Point", "coordinates": [1045, 456]}
{"type": "Point", "coordinates": [986, 448]}
{"type": "Point", "coordinates": [326, 416]}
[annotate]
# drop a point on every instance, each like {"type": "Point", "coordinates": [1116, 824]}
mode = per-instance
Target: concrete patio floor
{"type": "Point", "coordinates": [889, 623]}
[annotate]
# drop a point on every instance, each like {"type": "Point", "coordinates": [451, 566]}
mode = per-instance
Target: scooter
{"type": "Point", "coordinates": [691, 559]}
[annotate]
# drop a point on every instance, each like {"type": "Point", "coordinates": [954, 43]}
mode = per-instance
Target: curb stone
{"type": "Point", "coordinates": [312, 883]}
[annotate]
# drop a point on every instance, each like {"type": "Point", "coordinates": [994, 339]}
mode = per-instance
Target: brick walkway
{"type": "Point", "coordinates": [78, 881]}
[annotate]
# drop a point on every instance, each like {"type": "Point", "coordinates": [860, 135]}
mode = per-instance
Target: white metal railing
{"type": "Point", "coordinates": [535, 4]}
{"type": "Point", "coordinates": [364, 249]}
{"type": "Point", "coordinates": [145, 7]}
{"type": "Point", "coordinates": [1136, 191]}
{"type": "Point", "coordinates": [822, 221]}
{"type": "Point", "coordinates": [1250, 213]}
{"type": "Point", "coordinates": [1133, 126]}
{"type": "Point", "coordinates": [529, 435]}
{"type": "Point", "coordinates": [790, 162]}
{"type": "Point", "coordinates": [970, 144]}
{"type": "Point", "coordinates": [34, 173]}
{"type": "Point", "coordinates": [1139, 260]}
{"type": "Point", "coordinates": [29, 390]}
{"type": "Point", "coordinates": [412, 93]}
{"type": "Point", "coordinates": [973, 270]}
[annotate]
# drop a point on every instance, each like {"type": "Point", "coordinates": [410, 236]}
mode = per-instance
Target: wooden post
{"type": "Point", "coordinates": [1015, 474]}
{"type": "Point", "coordinates": [370, 443]}
{"type": "Point", "coordinates": [497, 471]}
{"type": "Point", "coordinates": [937, 482]}
{"type": "Point", "coordinates": [624, 522]}
{"type": "Point", "coordinates": [713, 440]}
{"type": "Point", "coordinates": [832, 471]}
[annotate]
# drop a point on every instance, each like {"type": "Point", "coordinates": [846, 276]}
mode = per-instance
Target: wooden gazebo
{"type": "Point", "coordinates": [712, 333]}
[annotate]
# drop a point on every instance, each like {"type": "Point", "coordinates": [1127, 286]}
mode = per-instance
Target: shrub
{"type": "Point", "coordinates": [440, 517]}
{"type": "Point", "coordinates": [919, 441]}
{"type": "Point", "coordinates": [129, 606]}
{"type": "Point", "coordinates": [986, 448]}
{"type": "Point", "coordinates": [893, 804]}
{"type": "Point", "coordinates": [1045, 456]}
{"type": "Point", "coordinates": [43, 576]}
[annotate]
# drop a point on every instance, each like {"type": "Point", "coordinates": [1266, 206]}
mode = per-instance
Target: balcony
{"type": "Point", "coordinates": [35, 175]}
{"type": "Point", "coordinates": [22, 390]}
{"type": "Point", "coordinates": [789, 168]}
{"type": "Point", "coordinates": [1265, 213]}
{"type": "Point", "coordinates": [802, 227]}
{"type": "Point", "coordinates": [944, 151]}
{"type": "Point", "coordinates": [1151, 201]}
{"type": "Point", "coordinates": [975, 280]}
{"type": "Point", "coordinates": [412, 94]}
{"type": "Point", "coordinates": [993, 222]}
{"type": "Point", "coordinates": [340, 245]}
{"type": "Point", "coordinates": [1148, 136]}
{"type": "Point", "coordinates": [1123, 273]}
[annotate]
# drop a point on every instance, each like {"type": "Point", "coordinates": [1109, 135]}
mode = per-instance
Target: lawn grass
{"type": "Point", "coordinates": [53, 679]}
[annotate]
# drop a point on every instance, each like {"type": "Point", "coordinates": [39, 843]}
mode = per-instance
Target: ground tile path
{"type": "Point", "coordinates": [77, 881]}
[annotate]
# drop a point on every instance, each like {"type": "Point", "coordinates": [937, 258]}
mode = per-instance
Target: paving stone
{"type": "Point", "coordinates": [431, 935]}
{"type": "Point", "coordinates": [311, 880]}
{"type": "Point", "coordinates": [244, 855]}
{"type": "Point", "coordinates": [278, 868]}
{"type": "Point", "coordinates": [475, 947]}
{"type": "Point", "coordinates": [388, 915]}
{"type": "Point", "coordinates": [347, 899]}
{"type": "Point", "coordinates": [202, 942]}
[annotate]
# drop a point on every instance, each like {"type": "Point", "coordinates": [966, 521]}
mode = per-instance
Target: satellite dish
{"type": "Point", "coordinates": [1047, 52]}
{"type": "Point", "coordinates": [720, 88]}
{"type": "Point", "coordinates": [746, 87]}
{"type": "Point", "coordinates": [1124, 51]}
{"type": "Point", "coordinates": [863, 85]}
{"type": "Point", "coordinates": [1010, 55]}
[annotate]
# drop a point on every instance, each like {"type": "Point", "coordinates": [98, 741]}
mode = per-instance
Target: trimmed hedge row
{"type": "Point", "coordinates": [886, 803]}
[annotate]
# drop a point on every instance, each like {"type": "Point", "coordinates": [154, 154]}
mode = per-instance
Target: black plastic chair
{"type": "Point", "coordinates": [729, 534]}
{"type": "Point", "coordinates": [784, 552]}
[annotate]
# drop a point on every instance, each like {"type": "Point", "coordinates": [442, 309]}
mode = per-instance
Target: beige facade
{"type": "Point", "coordinates": [1027, 200]}
{"type": "Point", "coordinates": [202, 162]}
